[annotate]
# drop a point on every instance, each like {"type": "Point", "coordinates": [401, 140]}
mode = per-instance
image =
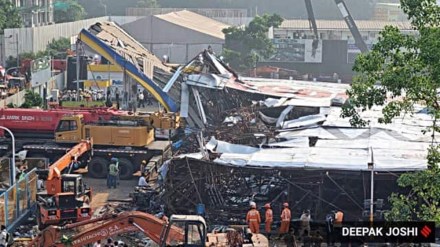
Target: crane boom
{"type": "Point", "coordinates": [53, 183]}
{"type": "Point", "coordinates": [352, 26]}
{"type": "Point", "coordinates": [108, 226]}
{"type": "Point", "coordinates": [311, 16]}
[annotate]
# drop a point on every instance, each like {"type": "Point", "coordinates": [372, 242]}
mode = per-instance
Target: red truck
{"type": "Point", "coordinates": [39, 123]}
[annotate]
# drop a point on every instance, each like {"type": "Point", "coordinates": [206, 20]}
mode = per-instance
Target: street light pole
{"type": "Point", "coordinates": [371, 168]}
{"type": "Point", "coordinates": [18, 57]}
{"type": "Point", "coordinates": [12, 163]}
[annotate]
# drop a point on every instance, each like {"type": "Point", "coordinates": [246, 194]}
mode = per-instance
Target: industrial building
{"type": "Point", "coordinates": [35, 12]}
{"type": "Point", "coordinates": [336, 50]}
{"type": "Point", "coordinates": [178, 35]}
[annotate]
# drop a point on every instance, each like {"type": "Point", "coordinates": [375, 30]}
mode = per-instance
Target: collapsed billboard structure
{"type": "Point", "coordinates": [274, 140]}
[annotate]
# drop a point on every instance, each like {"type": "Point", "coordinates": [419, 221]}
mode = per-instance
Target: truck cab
{"type": "Point", "coordinates": [69, 129]}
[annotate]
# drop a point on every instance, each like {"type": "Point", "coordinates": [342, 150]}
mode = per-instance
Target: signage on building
{"type": "Point", "coordinates": [297, 50]}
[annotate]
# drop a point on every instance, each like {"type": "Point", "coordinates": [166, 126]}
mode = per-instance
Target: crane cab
{"type": "Point", "coordinates": [73, 183]}
{"type": "Point", "coordinates": [194, 228]}
{"type": "Point", "coordinates": [70, 203]}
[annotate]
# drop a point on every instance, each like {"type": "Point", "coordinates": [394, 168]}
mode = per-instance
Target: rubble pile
{"type": "Point", "coordinates": [240, 126]}
{"type": "Point", "coordinates": [145, 199]}
{"type": "Point", "coordinates": [225, 192]}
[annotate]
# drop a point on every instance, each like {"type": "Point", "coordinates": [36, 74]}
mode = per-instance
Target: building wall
{"type": "Point", "coordinates": [334, 60]}
{"type": "Point", "coordinates": [34, 39]}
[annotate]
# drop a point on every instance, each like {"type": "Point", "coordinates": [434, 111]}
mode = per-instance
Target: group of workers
{"type": "Point", "coordinates": [144, 97]}
{"type": "Point", "coordinates": [253, 219]}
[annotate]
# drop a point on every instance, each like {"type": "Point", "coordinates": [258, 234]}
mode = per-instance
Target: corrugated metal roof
{"type": "Point", "coordinates": [195, 22]}
{"type": "Point", "coordinates": [341, 25]}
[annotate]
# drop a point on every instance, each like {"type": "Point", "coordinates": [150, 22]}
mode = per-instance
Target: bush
{"type": "Point", "coordinates": [31, 99]}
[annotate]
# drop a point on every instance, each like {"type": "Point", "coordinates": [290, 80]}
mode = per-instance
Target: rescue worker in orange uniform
{"type": "Point", "coordinates": [253, 218]}
{"type": "Point", "coordinates": [285, 219]}
{"type": "Point", "coordinates": [268, 219]}
{"type": "Point", "coordinates": [339, 216]}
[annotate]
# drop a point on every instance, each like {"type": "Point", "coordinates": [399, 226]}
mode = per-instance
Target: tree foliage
{"type": "Point", "coordinates": [9, 16]}
{"type": "Point", "coordinates": [31, 99]}
{"type": "Point", "coordinates": [58, 48]}
{"type": "Point", "coordinates": [68, 11]}
{"type": "Point", "coordinates": [403, 70]}
{"type": "Point", "coordinates": [245, 46]}
{"type": "Point", "coordinates": [147, 4]}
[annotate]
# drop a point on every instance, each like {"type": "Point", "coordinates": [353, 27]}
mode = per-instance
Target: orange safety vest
{"type": "Point", "coordinates": [253, 215]}
{"type": "Point", "coordinates": [286, 215]}
{"type": "Point", "coordinates": [339, 216]}
{"type": "Point", "coordinates": [269, 215]}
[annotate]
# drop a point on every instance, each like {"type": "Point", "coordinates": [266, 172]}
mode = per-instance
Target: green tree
{"type": "Point", "coordinates": [147, 4]}
{"type": "Point", "coordinates": [9, 16]}
{"type": "Point", "coordinates": [406, 67]}
{"type": "Point", "coordinates": [58, 48]}
{"type": "Point", "coordinates": [245, 46]}
{"type": "Point", "coordinates": [68, 10]}
{"type": "Point", "coordinates": [31, 99]}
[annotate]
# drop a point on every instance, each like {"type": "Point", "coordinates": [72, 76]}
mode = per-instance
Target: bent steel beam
{"type": "Point", "coordinates": [115, 58]}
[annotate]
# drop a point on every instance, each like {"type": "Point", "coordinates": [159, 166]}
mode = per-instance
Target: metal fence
{"type": "Point", "coordinates": [18, 199]}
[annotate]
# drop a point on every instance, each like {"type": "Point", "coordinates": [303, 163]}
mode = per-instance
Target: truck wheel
{"type": "Point", "coordinates": [125, 169]}
{"type": "Point", "coordinates": [98, 167]}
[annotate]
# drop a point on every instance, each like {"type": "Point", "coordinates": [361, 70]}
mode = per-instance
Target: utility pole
{"type": "Point", "coordinates": [371, 168]}
{"type": "Point", "coordinates": [18, 57]}
{"type": "Point", "coordinates": [77, 69]}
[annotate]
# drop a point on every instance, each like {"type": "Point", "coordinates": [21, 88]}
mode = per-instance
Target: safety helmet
{"type": "Point", "coordinates": [253, 205]}
{"type": "Point", "coordinates": [286, 204]}
{"type": "Point", "coordinates": [144, 162]}
{"type": "Point", "coordinates": [114, 159]}
{"type": "Point", "coordinates": [267, 205]}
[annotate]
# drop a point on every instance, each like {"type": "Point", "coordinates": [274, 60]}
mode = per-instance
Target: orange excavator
{"type": "Point", "coordinates": [181, 230]}
{"type": "Point", "coordinates": [66, 198]}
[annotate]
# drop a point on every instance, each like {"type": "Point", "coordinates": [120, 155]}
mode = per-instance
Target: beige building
{"type": "Point", "coordinates": [388, 12]}
{"type": "Point", "coordinates": [35, 12]}
{"type": "Point", "coordinates": [179, 35]}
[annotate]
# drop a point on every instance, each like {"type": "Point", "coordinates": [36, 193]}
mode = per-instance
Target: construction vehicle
{"type": "Point", "coordinates": [34, 130]}
{"type": "Point", "coordinates": [359, 41]}
{"type": "Point", "coordinates": [39, 123]}
{"type": "Point", "coordinates": [131, 141]}
{"type": "Point", "coordinates": [182, 230]}
{"type": "Point", "coordinates": [66, 197]}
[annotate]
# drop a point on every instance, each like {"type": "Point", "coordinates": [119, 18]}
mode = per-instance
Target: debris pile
{"type": "Point", "coordinates": [226, 190]}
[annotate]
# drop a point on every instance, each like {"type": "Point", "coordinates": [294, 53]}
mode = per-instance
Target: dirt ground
{"type": "Point", "coordinates": [101, 194]}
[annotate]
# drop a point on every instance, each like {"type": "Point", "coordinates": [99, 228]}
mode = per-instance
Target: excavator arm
{"type": "Point", "coordinates": [106, 227]}
{"type": "Point", "coordinates": [53, 183]}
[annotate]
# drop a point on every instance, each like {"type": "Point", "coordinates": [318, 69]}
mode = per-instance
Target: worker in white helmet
{"type": "Point", "coordinates": [253, 218]}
